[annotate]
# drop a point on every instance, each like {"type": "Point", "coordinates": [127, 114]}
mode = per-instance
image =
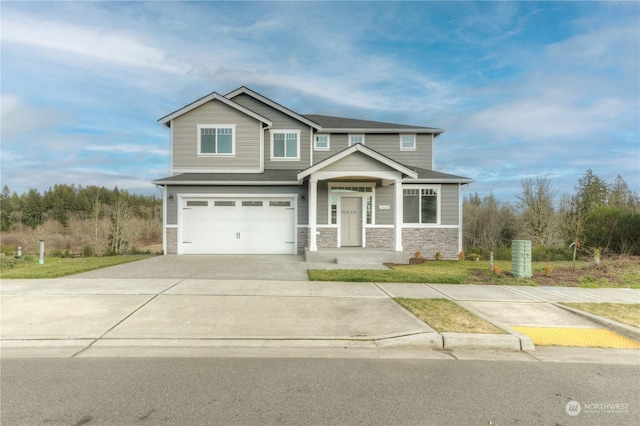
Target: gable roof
{"type": "Point", "coordinates": [358, 148]}
{"type": "Point", "coordinates": [337, 124]}
{"type": "Point", "coordinates": [166, 120]}
{"type": "Point", "coordinates": [245, 90]}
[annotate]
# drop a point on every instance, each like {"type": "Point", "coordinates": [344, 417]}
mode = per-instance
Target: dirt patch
{"type": "Point", "coordinates": [608, 272]}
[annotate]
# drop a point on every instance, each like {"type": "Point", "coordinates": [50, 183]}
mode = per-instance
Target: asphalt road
{"type": "Point", "coordinates": [251, 391]}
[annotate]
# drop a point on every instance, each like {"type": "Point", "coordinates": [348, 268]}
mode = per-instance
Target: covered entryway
{"type": "Point", "coordinates": [238, 225]}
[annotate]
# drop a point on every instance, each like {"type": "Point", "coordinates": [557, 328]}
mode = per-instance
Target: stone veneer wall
{"type": "Point", "coordinates": [172, 241]}
{"type": "Point", "coordinates": [303, 239]}
{"type": "Point", "coordinates": [380, 238]}
{"type": "Point", "coordinates": [429, 241]}
{"type": "Point", "coordinates": [327, 237]}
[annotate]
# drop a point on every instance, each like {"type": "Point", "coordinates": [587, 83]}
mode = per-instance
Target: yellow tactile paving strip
{"type": "Point", "coordinates": [576, 337]}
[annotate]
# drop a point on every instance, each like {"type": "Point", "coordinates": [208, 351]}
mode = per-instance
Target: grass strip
{"type": "Point", "coordinates": [446, 316]}
{"type": "Point", "coordinates": [55, 267]}
{"type": "Point", "coordinates": [626, 313]}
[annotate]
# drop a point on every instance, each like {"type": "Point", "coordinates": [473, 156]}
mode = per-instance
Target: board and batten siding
{"type": "Point", "coordinates": [185, 138]}
{"type": "Point", "coordinates": [386, 144]}
{"type": "Point", "coordinates": [280, 121]}
{"type": "Point", "coordinates": [172, 204]}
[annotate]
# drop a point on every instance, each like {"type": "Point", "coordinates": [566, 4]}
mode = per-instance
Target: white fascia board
{"type": "Point", "coordinates": [361, 148]}
{"type": "Point", "coordinates": [166, 120]}
{"type": "Point", "coordinates": [227, 183]}
{"type": "Point", "coordinates": [370, 130]}
{"type": "Point", "coordinates": [272, 104]}
{"type": "Point", "coordinates": [436, 180]}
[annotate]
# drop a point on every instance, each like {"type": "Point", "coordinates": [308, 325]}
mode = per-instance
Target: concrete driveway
{"type": "Point", "coordinates": [218, 267]}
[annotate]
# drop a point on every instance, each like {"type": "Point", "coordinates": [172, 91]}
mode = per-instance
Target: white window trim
{"type": "Point", "coordinates": [274, 158]}
{"type": "Point", "coordinates": [216, 126]}
{"type": "Point", "coordinates": [362, 195]}
{"type": "Point", "coordinates": [403, 148]}
{"type": "Point", "coordinates": [315, 143]}
{"type": "Point", "coordinates": [352, 135]}
{"type": "Point", "coordinates": [438, 189]}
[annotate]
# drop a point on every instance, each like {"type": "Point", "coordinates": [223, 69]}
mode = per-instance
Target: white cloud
{"type": "Point", "coordinates": [128, 149]}
{"type": "Point", "coordinates": [86, 43]}
{"type": "Point", "coordinates": [18, 117]}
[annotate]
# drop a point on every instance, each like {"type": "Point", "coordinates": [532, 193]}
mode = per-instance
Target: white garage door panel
{"type": "Point", "coordinates": [213, 226]}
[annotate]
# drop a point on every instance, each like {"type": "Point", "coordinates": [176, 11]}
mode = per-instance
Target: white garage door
{"type": "Point", "coordinates": [237, 226]}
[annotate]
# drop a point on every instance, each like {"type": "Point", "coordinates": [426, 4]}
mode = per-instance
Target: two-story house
{"type": "Point", "coordinates": [250, 176]}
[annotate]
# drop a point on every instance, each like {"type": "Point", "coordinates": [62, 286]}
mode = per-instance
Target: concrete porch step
{"type": "Point", "coordinates": [356, 256]}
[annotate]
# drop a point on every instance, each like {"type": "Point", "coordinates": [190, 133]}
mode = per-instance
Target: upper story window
{"type": "Point", "coordinates": [407, 142]}
{"type": "Point", "coordinates": [421, 204]}
{"type": "Point", "coordinates": [321, 143]}
{"type": "Point", "coordinates": [285, 145]}
{"type": "Point", "coordinates": [216, 139]}
{"type": "Point", "coordinates": [354, 139]}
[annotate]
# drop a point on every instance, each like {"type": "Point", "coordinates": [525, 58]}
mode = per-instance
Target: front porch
{"type": "Point", "coordinates": [354, 257]}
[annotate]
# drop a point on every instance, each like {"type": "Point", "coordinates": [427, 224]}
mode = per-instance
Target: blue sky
{"type": "Point", "coordinates": [524, 89]}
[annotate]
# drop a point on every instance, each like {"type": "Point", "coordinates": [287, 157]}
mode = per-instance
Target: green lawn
{"type": "Point", "coordinates": [55, 267]}
{"type": "Point", "coordinates": [444, 272]}
{"type": "Point", "coordinates": [559, 273]}
{"type": "Point", "coordinates": [621, 312]}
{"type": "Point", "coordinates": [446, 316]}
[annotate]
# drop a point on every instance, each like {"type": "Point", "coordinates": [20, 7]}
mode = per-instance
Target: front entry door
{"type": "Point", "coordinates": [351, 222]}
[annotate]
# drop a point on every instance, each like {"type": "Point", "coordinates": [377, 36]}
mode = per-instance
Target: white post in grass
{"type": "Point", "coordinates": [41, 261]}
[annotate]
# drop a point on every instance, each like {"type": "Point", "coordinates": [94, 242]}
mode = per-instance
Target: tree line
{"type": "Point", "coordinates": [92, 220]}
{"type": "Point", "coordinates": [76, 220]}
{"type": "Point", "coordinates": [599, 218]}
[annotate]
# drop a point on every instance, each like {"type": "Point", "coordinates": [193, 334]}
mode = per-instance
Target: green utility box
{"type": "Point", "coordinates": [521, 258]}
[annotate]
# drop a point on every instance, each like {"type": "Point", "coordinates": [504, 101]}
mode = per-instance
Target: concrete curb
{"type": "Point", "coordinates": [481, 341]}
{"type": "Point", "coordinates": [615, 326]}
{"type": "Point", "coordinates": [526, 343]}
{"type": "Point", "coordinates": [428, 340]}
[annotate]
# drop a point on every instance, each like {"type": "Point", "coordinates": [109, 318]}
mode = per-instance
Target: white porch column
{"type": "Point", "coordinates": [398, 214]}
{"type": "Point", "coordinates": [313, 209]}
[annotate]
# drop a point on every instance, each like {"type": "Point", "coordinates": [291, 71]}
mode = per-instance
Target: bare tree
{"type": "Point", "coordinates": [487, 222]}
{"type": "Point", "coordinates": [100, 227]}
{"type": "Point", "coordinates": [120, 214]}
{"type": "Point", "coordinates": [537, 215]}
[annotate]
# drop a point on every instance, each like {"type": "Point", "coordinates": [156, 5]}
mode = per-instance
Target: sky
{"type": "Point", "coordinates": [523, 89]}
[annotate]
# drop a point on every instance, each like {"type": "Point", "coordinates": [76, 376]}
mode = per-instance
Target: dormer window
{"type": "Point", "coordinates": [285, 145]}
{"type": "Point", "coordinates": [354, 139]}
{"type": "Point", "coordinates": [216, 139]}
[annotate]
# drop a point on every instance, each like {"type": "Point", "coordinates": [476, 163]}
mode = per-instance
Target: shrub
{"type": "Point", "coordinates": [438, 256]}
{"type": "Point", "coordinates": [7, 262]}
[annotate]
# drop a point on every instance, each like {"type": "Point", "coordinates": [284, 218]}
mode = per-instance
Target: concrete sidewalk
{"type": "Point", "coordinates": [103, 316]}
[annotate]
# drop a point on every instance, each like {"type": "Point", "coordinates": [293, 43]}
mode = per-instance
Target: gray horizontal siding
{"type": "Point", "coordinates": [388, 145]}
{"type": "Point", "coordinates": [322, 210]}
{"type": "Point", "coordinates": [172, 205]}
{"type": "Point", "coordinates": [449, 205]}
{"type": "Point", "coordinates": [185, 138]}
{"type": "Point", "coordinates": [385, 195]}
{"type": "Point", "coordinates": [357, 162]}
{"type": "Point", "coordinates": [280, 121]}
